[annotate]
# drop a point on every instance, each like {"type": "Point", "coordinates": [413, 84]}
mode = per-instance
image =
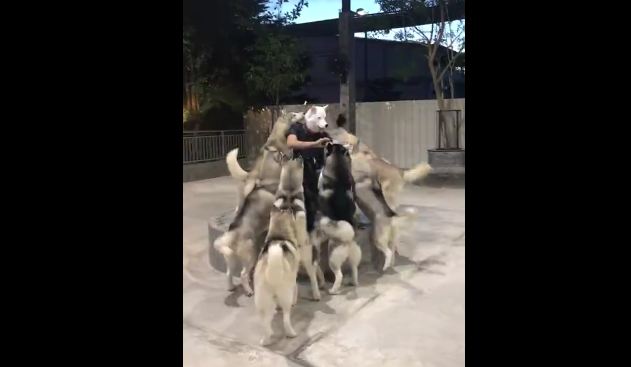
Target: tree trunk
{"type": "Point", "coordinates": [447, 129]}
{"type": "Point", "coordinates": [451, 84]}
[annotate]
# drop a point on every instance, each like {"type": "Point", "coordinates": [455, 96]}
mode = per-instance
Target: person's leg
{"type": "Point", "coordinates": [310, 186]}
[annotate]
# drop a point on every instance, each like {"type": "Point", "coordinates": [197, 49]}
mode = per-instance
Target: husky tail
{"type": "Point", "coordinates": [339, 230]}
{"type": "Point", "coordinates": [275, 271]}
{"type": "Point", "coordinates": [233, 165]}
{"type": "Point", "coordinates": [416, 173]}
{"type": "Point", "coordinates": [222, 244]}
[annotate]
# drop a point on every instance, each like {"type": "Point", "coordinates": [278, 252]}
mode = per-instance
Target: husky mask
{"type": "Point", "coordinates": [315, 118]}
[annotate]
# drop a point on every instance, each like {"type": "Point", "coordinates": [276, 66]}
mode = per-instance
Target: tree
{"type": "Point", "coordinates": [445, 44]}
{"type": "Point", "coordinates": [278, 64]}
{"type": "Point", "coordinates": [276, 67]}
{"type": "Point", "coordinates": [216, 37]}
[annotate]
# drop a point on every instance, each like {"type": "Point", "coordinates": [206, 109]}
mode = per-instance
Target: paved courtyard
{"type": "Point", "coordinates": [413, 315]}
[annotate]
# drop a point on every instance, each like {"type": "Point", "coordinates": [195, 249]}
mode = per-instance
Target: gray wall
{"type": "Point", "coordinates": [399, 131]}
{"type": "Point", "coordinates": [403, 131]}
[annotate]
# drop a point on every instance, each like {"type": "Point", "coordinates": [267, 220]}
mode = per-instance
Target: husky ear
{"type": "Point", "coordinates": [310, 111]}
{"type": "Point", "coordinates": [325, 106]}
{"type": "Point", "coordinates": [329, 148]}
{"type": "Point", "coordinates": [297, 116]}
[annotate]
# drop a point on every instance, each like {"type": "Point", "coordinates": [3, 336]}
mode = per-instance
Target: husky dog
{"type": "Point", "coordinates": [367, 163]}
{"type": "Point", "coordinates": [276, 270]}
{"type": "Point", "coordinates": [385, 221]}
{"type": "Point", "coordinates": [239, 242]}
{"type": "Point", "coordinates": [266, 170]}
{"type": "Point", "coordinates": [390, 177]}
{"type": "Point", "coordinates": [337, 206]}
{"type": "Point", "coordinates": [290, 196]}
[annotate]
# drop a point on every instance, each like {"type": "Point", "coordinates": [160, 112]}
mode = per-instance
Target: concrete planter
{"type": "Point", "coordinates": [446, 158]}
{"type": "Point", "coordinates": [448, 167]}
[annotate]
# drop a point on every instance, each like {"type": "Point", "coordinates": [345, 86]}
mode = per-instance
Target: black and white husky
{"type": "Point", "coordinates": [337, 207]}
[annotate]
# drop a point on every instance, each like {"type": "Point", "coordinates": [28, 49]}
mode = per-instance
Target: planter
{"type": "Point", "coordinates": [444, 158]}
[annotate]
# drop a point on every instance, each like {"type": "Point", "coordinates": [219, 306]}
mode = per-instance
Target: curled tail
{"type": "Point", "coordinates": [339, 230]}
{"type": "Point", "coordinates": [233, 165]}
{"type": "Point", "coordinates": [417, 172]}
{"type": "Point", "coordinates": [222, 244]}
{"type": "Point", "coordinates": [275, 263]}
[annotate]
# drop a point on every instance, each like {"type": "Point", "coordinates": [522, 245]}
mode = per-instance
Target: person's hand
{"type": "Point", "coordinates": [320, 143]}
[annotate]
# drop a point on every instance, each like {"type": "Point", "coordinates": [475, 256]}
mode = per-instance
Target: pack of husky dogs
{"type": "Point", "coordinates": [271, 203]}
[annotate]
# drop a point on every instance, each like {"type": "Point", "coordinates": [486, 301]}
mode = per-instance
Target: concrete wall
{"type": "Point", "coordinates": [206, 170]}
{"type": "Point", "coordinates": [403, 131]}
{"type": "Point", "coordinates": [400, 131]}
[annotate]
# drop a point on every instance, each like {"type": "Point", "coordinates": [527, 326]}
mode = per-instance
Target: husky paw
{"type": "Point", "coordinates": [291, 334]}
{"type": "Point", "coordinates": [249, 294]}
{"type": "Point", "coordinates": [334, 291]}
{"type": "Point", "coordinates": [317, 297]}
{"type": "Point", "coordinates": [387, 263]}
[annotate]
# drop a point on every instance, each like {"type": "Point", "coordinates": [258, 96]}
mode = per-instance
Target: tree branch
{"type": "Point", "coordinates": [451, 62]}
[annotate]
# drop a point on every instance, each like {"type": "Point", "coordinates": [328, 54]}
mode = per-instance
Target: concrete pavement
{"type": "Point", "coordinates": [410, 316]}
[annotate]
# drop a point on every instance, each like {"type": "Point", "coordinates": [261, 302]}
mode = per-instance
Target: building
{"type": "Point", "coordinates": [392, 70]}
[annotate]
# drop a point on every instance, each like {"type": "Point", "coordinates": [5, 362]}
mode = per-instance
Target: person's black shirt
{"type": "Point", "coordinates": [304, 134]}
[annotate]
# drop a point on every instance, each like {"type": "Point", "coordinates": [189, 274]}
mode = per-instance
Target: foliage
{"type": "Point", "coordinates": [215, 35]}
{"type": "Point", "coordinates": [278, 63]}
{"type": "Point", "coordinates": [235, 55]}
{"type": "Point", "coordinates": [445, 40]}
{"type": "Point", "coordinates": [276, 67]}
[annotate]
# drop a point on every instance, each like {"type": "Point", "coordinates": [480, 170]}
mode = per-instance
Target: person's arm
{"type": "Point", "coordinates": [294, 143]}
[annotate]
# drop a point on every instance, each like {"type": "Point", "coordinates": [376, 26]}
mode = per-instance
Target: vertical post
{"type": "Point", "coordinates": [347, 50]}
{"type": "Point", "coordinates": [365, 65]}
{"type": "Point", "coordinates": [223, 144]}
{"type": "Point", "coordinates": [458, 129]}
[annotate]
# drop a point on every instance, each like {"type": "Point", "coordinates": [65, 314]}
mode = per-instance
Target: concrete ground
{"type": "Point", "coordinates": [410, 316]}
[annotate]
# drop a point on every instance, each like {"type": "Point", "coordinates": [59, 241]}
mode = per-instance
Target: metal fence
{"type": "Point", "coordinates": [212, 145]}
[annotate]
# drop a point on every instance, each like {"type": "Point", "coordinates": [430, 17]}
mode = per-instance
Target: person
{"type": "Point", "coordinates": [309, 145]}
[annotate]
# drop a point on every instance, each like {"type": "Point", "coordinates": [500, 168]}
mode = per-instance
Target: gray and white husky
{"type": "Point", "coordinates": [266, 170]}
{"type": "Point", "coordinates": [239, 242]}
{"type": "Point", "coordinates": [290, 196]}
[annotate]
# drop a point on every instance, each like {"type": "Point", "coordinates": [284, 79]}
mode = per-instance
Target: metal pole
{"type": "Point", "coordinates": [223, 144]}
{"type": "Point", "coordinates": [346, 49]}
{"type": "Point", "coordinates": [365, 65]}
